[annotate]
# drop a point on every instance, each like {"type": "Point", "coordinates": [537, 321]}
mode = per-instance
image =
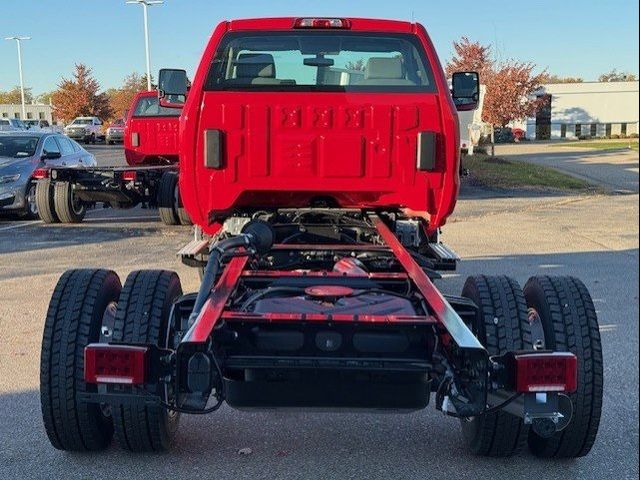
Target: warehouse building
{"type": "Point", "coordinates": [34, 112]}
{"type": "Point", "coordinates": [583, 110]}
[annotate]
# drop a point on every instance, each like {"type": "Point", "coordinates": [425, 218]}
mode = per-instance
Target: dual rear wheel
{"type": "Point", "coordinates": [86, 306]}
{"type": "Point", "coordinates": [505, 316]}
{"type": "Point", "coordinates": [57, 203]}
{"type": "Point", "coordinates": [87, 303]}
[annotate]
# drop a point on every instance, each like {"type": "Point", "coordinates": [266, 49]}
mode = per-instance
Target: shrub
{"type": "Point", "coordinates": [633, 135]}
{"type": "Point", "coordinates": [615, 136]}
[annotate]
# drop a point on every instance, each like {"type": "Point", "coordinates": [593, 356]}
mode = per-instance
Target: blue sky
{"type": "Point", "coordinates": [582, 38]}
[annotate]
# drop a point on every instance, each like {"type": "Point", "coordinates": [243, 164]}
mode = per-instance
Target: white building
{"type": "Point", "coordinates": [34, 112]}
{"type": "Point", "coordinates": [589, 109]}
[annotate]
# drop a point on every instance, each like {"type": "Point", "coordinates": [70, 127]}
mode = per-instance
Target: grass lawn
{"type": "Point", "coordinates": [496, 172]}
{"type": "Point", "coordinates": [603, 145]}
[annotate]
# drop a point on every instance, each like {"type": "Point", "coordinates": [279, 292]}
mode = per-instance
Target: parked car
{"type": "Point", "coordinates": [86, 129]}
{"type": "Point", "coordinates": [37, 125]}
{"type": "Point", "coordinates": [503, 135]}
{"type": "Point", "coordinates": [21, 153]}
{"type": "Point", "coordinates": [12, 125]}
{"type": "Point", "coordinates": [518, 134]}
{"type": "Point", "coordinates": [115, 132]}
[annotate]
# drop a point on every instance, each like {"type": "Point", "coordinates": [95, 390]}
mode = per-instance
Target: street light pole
{"type": "Point", "coordinates": [18, 40]}
{"type": "Point", "coordinates": [145, 5]}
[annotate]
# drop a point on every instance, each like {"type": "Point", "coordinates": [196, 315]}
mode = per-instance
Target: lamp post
{"type": "Point", "coordinates": [18, 40]}
{"type": "Point", "coordinates": [145, 5]}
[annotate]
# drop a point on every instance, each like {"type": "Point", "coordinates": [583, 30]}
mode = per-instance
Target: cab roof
{"type": "Point", "coordinates": [355, 24]}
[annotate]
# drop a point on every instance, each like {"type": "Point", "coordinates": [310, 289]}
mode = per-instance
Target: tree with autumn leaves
{"type": "Point", "coordinates": [121, 98]}
{"type": "Point", "coordinates": [80, 96]}
{"type": "Point", "coordinates": [511, 85]}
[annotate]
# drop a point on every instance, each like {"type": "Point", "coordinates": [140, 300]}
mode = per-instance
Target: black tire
{"type": "Point", "coordinates": [142, 317]}
{"type": "Point", "coordinates": [570, 324]}
{"type": "Point", "coordinates": [183, 216]}
{"type": "Point", "coordinates": [166, 198]}
{"type": "Point", "coordinates": [76, 311]}
{"type": "Point", "coordinates": [501, 325]}
{"type": "Point", "coordinates": [45, 202]}
{"type": "Point", "coordinates": [68, 209]}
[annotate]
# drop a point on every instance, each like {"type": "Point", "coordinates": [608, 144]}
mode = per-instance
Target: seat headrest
{"type": "Point", "coordinates": [384, 68]}
{"type": "Point", "coordinates": [255, 65]}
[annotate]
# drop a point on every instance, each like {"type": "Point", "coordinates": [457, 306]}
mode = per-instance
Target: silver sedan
{"type": "Point", "coordinates": [21, 153]}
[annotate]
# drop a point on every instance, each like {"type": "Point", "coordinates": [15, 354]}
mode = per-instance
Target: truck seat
{"type": "Point", "coordinates": [384, 71]}
{"type": "Point", "coordinates": [255, 69]}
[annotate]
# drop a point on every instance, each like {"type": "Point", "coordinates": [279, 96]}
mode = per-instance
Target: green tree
{"type": "Point", "coordinates": [44, 98]}
{"type": "Point", "coordinates": [549, 78]}
{"type": "Point", "coordinates": [120, 99]}
{"type": "Point", "coordinates": [616, 76]}
{"type": "Point", "coordinates": [13, 96]}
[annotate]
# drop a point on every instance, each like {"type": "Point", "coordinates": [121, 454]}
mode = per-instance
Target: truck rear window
{"type": "Point", "coordinates": [149, 107]}
{"type": "Point", "coordinates": [320, 61]}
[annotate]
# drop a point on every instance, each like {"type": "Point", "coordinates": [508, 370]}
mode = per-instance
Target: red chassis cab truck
{"type": "Point", "coordinates": [151, 178]}
{"type": "Point", "coordinates": [319, 192]}
{"type": "Point", "coordinates": [151, 132]}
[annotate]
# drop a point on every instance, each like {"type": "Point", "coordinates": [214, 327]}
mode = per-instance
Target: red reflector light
{"type": "Point", "coordinates": [40, 173]}
{"type": "Point", "coordinates": [546, 372]}
{"type": "Point", "coordinates": [104, 363]}
{"type": "Point", "coordinates": [321, 23]}
{"type": "Point", "coordinates": [129, 176]}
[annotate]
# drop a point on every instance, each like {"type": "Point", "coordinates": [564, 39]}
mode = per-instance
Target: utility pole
{"type": "Point", "coordinates": [18, 40]}
{"type": "Point", "coordinates": [145, 6]}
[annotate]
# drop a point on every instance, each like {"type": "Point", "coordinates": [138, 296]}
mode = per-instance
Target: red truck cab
{"type": "Point", "coordinates": [278, 116]}
{"type": "Point", "coordinates": [151, 132]}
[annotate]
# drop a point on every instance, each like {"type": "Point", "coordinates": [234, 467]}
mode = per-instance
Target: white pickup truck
{"type": "Point", "coordinates": [86, 129]}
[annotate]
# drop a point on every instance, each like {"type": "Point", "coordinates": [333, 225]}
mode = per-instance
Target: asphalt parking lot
{"type": "Point", "coordinates": [592, 237]}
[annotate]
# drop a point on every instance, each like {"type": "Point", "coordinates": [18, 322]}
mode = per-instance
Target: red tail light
{"type": "Point", "coordinates": [104, 363]}
{"type": "Point", "coordinates": [129, 176]}
{"type": "Point", "coordinates": [322, 23]}
{"type": "Point", "coordinates": [39, 173]}
{"type": "Point", "coordinates": [546, 372]}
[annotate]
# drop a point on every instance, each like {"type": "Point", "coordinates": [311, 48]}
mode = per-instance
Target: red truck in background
{"type": "Point", "coordinates": [151, 132]}
{"type": "Point", "coordinates": [150, 179]}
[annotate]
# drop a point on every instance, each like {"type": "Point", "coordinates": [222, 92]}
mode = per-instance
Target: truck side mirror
{"type": "Point", "coordinates": [465, 90]}
{"type": "Point", "coordinates": [172, 87]}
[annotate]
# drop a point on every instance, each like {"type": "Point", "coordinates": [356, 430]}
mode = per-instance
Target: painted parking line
{"type": "Point", "coordinates": [119, 219]}
{"type": "Point", "coordinates": [19, 225]}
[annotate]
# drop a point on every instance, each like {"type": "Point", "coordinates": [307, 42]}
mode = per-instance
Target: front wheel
{"type": "Point", "coordinates": [570, 324]}
{"type": "Point", "coordinates": [81, 302]}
